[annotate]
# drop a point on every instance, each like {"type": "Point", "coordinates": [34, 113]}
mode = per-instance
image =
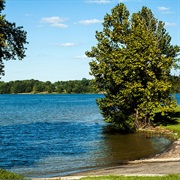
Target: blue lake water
{"type": "Point", "coordinates": [55, 135]}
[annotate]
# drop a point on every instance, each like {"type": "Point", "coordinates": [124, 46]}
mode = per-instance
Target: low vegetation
{"type": "Point", "coordinates": [6, 175]}
{"type": "Point", "coordinates": [168, 125]}
{"type": "Point", "coordinates": [172, 123]}
{"type": "Point", "coordinates": [168, 177]}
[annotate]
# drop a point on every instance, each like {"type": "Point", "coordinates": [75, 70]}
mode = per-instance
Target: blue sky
{"type": "Point", "coordinates": [60, 31]}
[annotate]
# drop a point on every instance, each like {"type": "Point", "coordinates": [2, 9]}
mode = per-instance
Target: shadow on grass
{"type": "Point", "coordinates": [170, 119]}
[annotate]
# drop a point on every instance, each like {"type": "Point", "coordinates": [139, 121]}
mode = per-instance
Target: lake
{"type": "Point", "coordinates": [55, 135]}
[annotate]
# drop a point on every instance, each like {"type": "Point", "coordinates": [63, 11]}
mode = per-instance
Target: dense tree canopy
{"type": "Point", "coordinates": [36, 86]}
{"type": "Point", "coordinates": [62, 87]}
{"type": "Point", "coordinates": [132, 63]}
{"type": "Point", "coordinates": [12, 40]}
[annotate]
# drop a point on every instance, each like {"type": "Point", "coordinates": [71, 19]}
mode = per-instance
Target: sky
{"type": "Point", "coordinates": [60, 31]}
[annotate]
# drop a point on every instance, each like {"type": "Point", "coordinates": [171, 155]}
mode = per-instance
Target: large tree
{"type": "Point", "coordinates": [131, 64]}
{"type": "Point", "coordinates": [12, 40]}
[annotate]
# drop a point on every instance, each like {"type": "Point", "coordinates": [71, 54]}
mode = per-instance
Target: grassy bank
{"type": "Point", "coordinates": [168, 177]}
{"type": "Point", "coordinates": [172, 123]}
{"type": "Point", "coordinates": [175, 125]}
{"type": "Point", "coordinates": [6, 175]}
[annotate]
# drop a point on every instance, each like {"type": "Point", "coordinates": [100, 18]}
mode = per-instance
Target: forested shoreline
{"type": "Point", "coordinates": [35, 86]}
{"type": "Point", "coordinates": [61, 87]}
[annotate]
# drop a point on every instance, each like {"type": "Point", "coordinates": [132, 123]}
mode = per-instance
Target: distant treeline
{"type": "Point", "coordinates": [62, 87]}
{"type": "Point", "coordinates": [36, 86]}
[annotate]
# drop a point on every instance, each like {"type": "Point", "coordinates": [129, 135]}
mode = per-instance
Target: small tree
{"type": "Point", "coordinates": [131, 63]}
{"type": "Point", "coordinates": [12, 40]}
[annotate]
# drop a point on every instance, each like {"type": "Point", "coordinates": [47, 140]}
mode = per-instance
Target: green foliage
{"type": "Point", "coordinates": [71, 86]}
{"type": "Point", "coordinates": [171, 121]}
{"type": "Point", "coordinates": [168, 177]}
{"type": "Point", "coordinates": [6, 175]}
{"type": "Point", "coordinates": [175, 80]}
{"type": "Point", "coordinates": [12, 40]}
{"type": "Point", "coordinates": [132, 63]}
{"type": "Point", "coordinates": [35, 86]}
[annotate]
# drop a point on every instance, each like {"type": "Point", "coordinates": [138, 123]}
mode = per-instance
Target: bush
{"type": "Point", "coordinates": [5, 175]}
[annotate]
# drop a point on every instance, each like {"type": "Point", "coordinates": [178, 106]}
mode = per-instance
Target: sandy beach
{"type": "Point", "coordinates": [166, 163]}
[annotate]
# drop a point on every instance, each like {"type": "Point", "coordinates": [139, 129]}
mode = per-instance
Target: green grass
{"type": "Point", "coordinates": [168, 177]}
{"type": "Point", "coordinates": [171, 123]}
{"type": "Point", "coordinates": [6, 175]}
{"type": "Point", "coordinates": [176, 118]}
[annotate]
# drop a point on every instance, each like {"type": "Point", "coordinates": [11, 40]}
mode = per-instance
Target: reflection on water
{"type": "Point", "coordinates": [51, 135]}
{"type": "Point", "coordinates": [48, 149]}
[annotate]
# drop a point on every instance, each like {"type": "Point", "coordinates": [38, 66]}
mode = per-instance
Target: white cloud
{"type": "Point", "coordinates": [68, 44]}
{"type": "Point", "coordinates": [81, 57]}
{"type": "Point", "coordinates": [163, 8]}
{"type": "Point", "coordinates": [89, 21]}
{"type": "Point", "coordinates": [170, 24]}
{"type": "Point", "coordinates": [121, 1]}
{"type": "Point", "coordinates": [59, 25]}
{"type": "Point", "coordinates": [99, 1]}
{"type": "Point", "coordinates": [54, 21]}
